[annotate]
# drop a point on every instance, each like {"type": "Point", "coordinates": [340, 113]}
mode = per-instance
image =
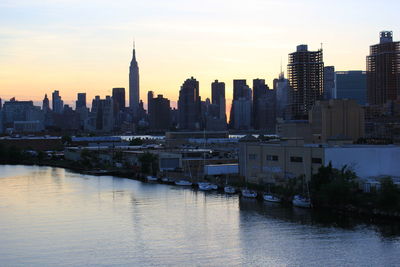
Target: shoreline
{"type": "Point", "coordinates": [366, 215]}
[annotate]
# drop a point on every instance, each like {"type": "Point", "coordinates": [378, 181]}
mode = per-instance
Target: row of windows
{"type": "Point", "coordinates": [292, 159]}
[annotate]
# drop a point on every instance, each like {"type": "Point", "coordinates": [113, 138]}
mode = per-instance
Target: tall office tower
{"type": "Point", "coordinates": [264, 104]}
{"type": "Point", "coordinates": [57, 102]}
{"type": "Point", "coordinates": [46, 104]}
{"type": "Point", "coordinates": [351, 85]}
{"type": "Point", "coordinates": [134, 84]}
{"type": "Point", "coordinates": [306, 74]}
{"type": "Point", "coordinates": [1, 104]}
{"type": "Point", "coordinates": [81, 101]}
{"type": "Point", "coordinates": [118, 96]}
{"type": "Point", "coordinates": [383, 70]}
{"type": "Point", "coordinates": [159, 113]}
{"type": "Point", "coordinates": [189, 105]}
{"type": "Point", "coordinates": [259, 93]}
{"type": "Point", "coordinates": [150, 96]}
{"type": "Point", "coordinates": [242, 92]}
{"type": "Point", "coordinates": [282, 91]}
{"type": "Point", "coordinates": [101, 117]}
{"type": "Point", "coordinates": [218, 98]}
{"type": "Point", "coordinates": [329, 82]}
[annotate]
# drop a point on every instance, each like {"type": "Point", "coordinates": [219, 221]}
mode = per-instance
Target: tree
{"type": "Point", "coordinates": [147, 162]}
{"type": "Point", "coordinates": [136, 142]}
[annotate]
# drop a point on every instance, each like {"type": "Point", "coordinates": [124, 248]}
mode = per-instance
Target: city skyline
{"type": "Point", "coordinates": [221, 41]}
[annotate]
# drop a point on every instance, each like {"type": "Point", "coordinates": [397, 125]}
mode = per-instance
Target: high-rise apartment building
{"type": "Point", "coordinates": [383, 70]}
{"type": "Point", "coordinates": [306, 74]}
{"type": "Point", "coordinates": [101, 117]}
{"type": "Point", "coordinates": [351, 85]}
{"type": "Point", "coordinates": [81, 101]}
{"type": "Point", "coordinates": [134, 84]}
{"type": "Point", "coordinates": [189, 105]}
{"type": "Point", "coordinates": [218, 98]}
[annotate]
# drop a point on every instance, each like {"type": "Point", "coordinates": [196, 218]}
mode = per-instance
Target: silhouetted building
{"type": "Point", "coordinates": [1, 104]}
{"type": "Point", "coordinates": [306, 74]}
{"type": "Point", "coordinates": [57, 102]}
{"type": "Point", "coordinates": [189, 105]}
{"type": "Point", "coordinates": [23, 115]}
{"type": "Point", "coordinates": [101, 117]}
{"type": "Point", "coordinates": [242, 96]}
{"type": "Point", "coordinates": [159, 112]}
{"type": "Point", "coordinates": [81, 101]}
{"type": "Point", "coordinates": [218, 98]}
{"type": "Point", "coordinates": [329, 82]}
{"type": "Point", "coordinates": [134, 84]}
{"type": "Point", "coordinates": [118, 95]}
{"type": "Point", "coordinates": [282, 91]}
{"type": "Point", "coordinates": [351, 85]}
{"type": "Point", "coordinates": [264, 104]}
{"type": "Point", "coordinates": [383, 70]}
{"type": "Point", "coordinates": [46, 104]}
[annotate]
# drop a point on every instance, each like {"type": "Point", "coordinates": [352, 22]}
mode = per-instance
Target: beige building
{"type": "Point", "coordinates": [278, 161]}
{"type": "Point", "coordinates": [327, 119]}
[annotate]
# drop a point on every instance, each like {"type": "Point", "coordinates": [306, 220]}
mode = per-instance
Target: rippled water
{"type": "Point", "coordinates": [53, 217]}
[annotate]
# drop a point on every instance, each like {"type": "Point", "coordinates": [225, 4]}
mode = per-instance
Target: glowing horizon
{"type": "Point", "coordinates": [87, 47]}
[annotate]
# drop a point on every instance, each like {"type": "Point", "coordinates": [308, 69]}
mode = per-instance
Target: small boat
{"type": "Point", "coordinates": [151, 178]}
{"type": "Point", "coordinates": [229, 189]}
{"type": "Point", "coordinates": [271, 198]}
{"type": "Point", "coordinates": [301, 202]}
{"type": "Point", "coordinates": [167, 180]}
{"type": "Point", "coordinates": [205, 186]}
{"type": "Point", "coordinates": [249, 193]}
{"type": "Point", "coordinates": [183, 183]}
{"type": "Point", "coordinates": [214, 186]}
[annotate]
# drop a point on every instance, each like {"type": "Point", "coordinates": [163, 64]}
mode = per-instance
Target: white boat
{"type": "Point", "coordinates": [302, 202]}
{"type": "Point", "coordinates": [167, 180]}
{"type": "Point", "coordinates": [229, 189]}
{"type": "Point", "coordinates": [183, 183]}
{"type": "Point", "coordinates": [271, 198]}
{"type": "Point", "coordinates": [151, 178]}
{"type": "Point", "coordinates": [249, 193]}
{"type": "Point", "coordinates": [205, 186]}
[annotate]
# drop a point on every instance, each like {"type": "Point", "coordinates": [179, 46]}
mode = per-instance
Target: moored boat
{"type": "Point", "coordinates": [205, 186]}
{"type": "Point", "coordinates": [183, 183]}
{"type": "Point", "coordinates": [249, 193]}
{"type": "Point", "coordinates": [301, 202]}
{"type": "Point", "coordinates": [229, 189]}
{"type": "Point", "coordinates": [167, 180]}
{"type": "Point", "coordinates": [271, 198]}
{"type": "Point", "coordinates": [150, 178]}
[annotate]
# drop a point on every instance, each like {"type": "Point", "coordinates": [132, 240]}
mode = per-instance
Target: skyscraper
{"type": "Point", "coordinates": [383, 70]}
{"type": "Point", "coordinates": [282, 90]}
{"type": "Point", "coordinates": [57, 102]}
{"type": "Point", "coordinates": [189, 105]}
{"type": "Point", "coordinates": [46, 104]}
{"type": "Point", "coordinates": [218, 98]}
{"type": "Point", "coordinates": [241, 96]}
{"type": "Point", "coordinates": [306, 74]}
{"type": "Point", "coordinates": [329, 82]}
{"type": "Point", "coordinates": [81, 101]}
{"type": "Point", "coordinates": [351, 85]}
{"type": "Point", "coordinates": [159, 112]}
{"type": "Point", "coordinates": [134, 84]}
{"type": "Point", "coordinates": [118, 96]}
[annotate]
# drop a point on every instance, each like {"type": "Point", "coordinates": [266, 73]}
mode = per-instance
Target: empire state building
{"type": "Point", "coordinates": [134, 84]}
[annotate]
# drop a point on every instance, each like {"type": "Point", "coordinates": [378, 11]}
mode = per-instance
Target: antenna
{"type": "Point", "coordinates": [133, 42]}
{"type": "Point", "coordinates": [322, 45]}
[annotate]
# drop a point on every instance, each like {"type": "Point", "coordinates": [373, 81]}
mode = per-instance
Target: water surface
{"type": "Point", "coordinates": [53, 217]}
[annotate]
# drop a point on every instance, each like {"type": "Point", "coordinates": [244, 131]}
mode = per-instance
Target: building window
{"type": "Point", "coordinates": [316, 160]}
{"type": "Point", "coordinates": [272, 158]}
{"type": "Point", "coordinates": [296, 159]}
{"type": "Point", "coordinates": [252, 156]}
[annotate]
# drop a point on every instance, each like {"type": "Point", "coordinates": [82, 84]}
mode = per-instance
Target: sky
{"type": "Point", "coordinates": [86, 46]}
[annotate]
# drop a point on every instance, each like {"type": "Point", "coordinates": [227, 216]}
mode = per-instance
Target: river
{"type": "Point", "coordinates": [54, 217]}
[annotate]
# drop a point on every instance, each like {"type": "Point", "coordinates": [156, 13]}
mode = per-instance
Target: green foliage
{"type": "Point", "coordinates": [333, 187]}
{"type": "Point", "coordinates": [66, 139]}
{"type": "Point", "coordinates": [148, 163]}
{"type": "Point", "coordinates": [11, 155]}
{"type": "Point", "coordinates": [388, 197]}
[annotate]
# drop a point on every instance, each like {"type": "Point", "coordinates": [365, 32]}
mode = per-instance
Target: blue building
{"type": "Point", "coordinates": [351, 85]}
